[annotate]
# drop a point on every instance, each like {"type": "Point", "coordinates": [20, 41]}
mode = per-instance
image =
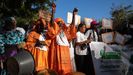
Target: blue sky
{"type": "Point", "coordinates": [96, 9]}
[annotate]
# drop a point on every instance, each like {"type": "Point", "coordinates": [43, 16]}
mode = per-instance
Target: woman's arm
{"type": "Point", "coordinates": [81, 43]}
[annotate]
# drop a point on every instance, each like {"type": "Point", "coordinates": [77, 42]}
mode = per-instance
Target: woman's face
{"type": "Point", "coordinates": [83, 28]}
{"type": "Point", "coordinates": [41, 27]}
{"type": "Point", "coordinates": [14, 23]}
{"type": "Point", "coordinates": [60, 24]}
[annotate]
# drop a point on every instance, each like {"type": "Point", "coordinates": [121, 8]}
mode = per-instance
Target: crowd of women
{"type": "Point", "coordinates": [51, 44]}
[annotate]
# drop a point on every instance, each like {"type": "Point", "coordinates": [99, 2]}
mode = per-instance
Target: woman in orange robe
{"type": "Point", "coordinates": [34, 44]}
{"type": "Point", "coordinates": [59, 55]}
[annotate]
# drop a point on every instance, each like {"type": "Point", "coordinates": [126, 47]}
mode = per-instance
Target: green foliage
{"type": "Point", "coordinates": [24, 10]}
{"type": "Point", "coordinates": [121, 16]}
{"type": "Point", "coordinates": [130, 18]}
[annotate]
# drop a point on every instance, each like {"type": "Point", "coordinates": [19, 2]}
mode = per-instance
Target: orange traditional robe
{"type": "Point", "coordinates": [59, 55]}
{"type": "Point", "coordinates": [40, 56]}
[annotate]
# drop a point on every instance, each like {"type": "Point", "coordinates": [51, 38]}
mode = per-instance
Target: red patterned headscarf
{"type": "Point", "coordinates": [94, 22]}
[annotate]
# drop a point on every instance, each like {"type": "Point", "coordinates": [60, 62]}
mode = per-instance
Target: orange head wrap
{"type": "Point", "coordinates": [57, 20]}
